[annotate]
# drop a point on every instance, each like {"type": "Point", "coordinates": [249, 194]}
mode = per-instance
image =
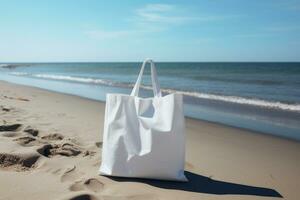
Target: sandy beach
{"type": "Point", "coordinates": [50, 148]}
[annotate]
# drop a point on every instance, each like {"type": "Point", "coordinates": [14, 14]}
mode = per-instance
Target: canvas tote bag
{"type": "Point", "coordinates": [144, 137]}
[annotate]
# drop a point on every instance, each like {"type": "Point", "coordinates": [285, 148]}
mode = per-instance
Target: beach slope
{"type": "Point", "coordinates": [50, 148]}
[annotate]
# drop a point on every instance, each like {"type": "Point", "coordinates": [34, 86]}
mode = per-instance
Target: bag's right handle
{"type": "Point", "coordinates": [155, 84]}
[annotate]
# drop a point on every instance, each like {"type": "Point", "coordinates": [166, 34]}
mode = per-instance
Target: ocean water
{"type": "Point", "coordinates": [264, 97]}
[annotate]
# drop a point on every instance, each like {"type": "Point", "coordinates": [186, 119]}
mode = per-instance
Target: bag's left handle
{"type": "Point", "coordinates": [155, 83]}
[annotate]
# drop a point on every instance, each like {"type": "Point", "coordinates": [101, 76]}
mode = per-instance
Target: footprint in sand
{"type": "Point", "coordinates": [54, 136]}
{"type": "Point", "coordinates": [99, 144]}
{"type": "Point", "coordinates": [5, 109]}
{"type": "Point", "coordinates": [65, 149]}
{"type": "Point", "coordinates": [71, 174]}
{"type": "Point", "coordinates": [135, 197]}
{"type": "Point", "coordinates": [18, 162]}
{"type": "Point", "coordinates": [80, 196]}
{"type": "Point", "coordinates": [89, 153]}
{"type": "Point", "coordinates": [91, 184]}
{"type": "Point", "coordinates": [11, 127]}
{"type": "Point", "coordinates": [10, 134]}
{"type": "Point", "coordinates": [31, 131]}
{"type": "Point", "coordinates": [16, 98]}
{"type": "Point", "coordinates": [86, 196]}
{"type": "Point", "coordinates": [27, 141]}
{"type": "Point", "coordinates": [10, 130]}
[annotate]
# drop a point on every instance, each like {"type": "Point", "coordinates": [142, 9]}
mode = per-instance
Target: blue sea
{"type": "Point", "coordinates": [264, 97]}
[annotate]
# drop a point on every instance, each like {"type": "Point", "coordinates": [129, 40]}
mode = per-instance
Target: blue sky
{"type": "Point", "coordinates": [95, 30]}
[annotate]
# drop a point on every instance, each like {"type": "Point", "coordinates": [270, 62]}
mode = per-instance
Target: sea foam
{"type": "Point", "coordinates": [231, 99]}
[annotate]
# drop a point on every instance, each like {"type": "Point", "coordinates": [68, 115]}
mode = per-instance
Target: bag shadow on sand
{"type": "Point", "coordinates": [202, 184]}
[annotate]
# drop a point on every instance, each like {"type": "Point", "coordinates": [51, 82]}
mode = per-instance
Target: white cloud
{"type": "Point", "coordinates": [171, 14]}
{"type": "Point", "coordinates": [157, 13]}
{"type": "Point", "coordinates": [153, 18]}
{"type": "Point", "coordinates": [158, 7]}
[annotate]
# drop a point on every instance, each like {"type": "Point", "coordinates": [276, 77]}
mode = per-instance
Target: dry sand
{"type": "Point", "coordinates": [50, 148]}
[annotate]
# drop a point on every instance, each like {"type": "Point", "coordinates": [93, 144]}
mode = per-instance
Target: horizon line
{"type": "Point", "coordinates": [158, 61]}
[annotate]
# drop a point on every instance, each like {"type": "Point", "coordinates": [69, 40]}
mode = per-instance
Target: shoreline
{"type": "Point", "coordinates": [220, 159]}
{"type": "Point", "coordinates": [186, 117]}
{"type": "Point", "coordinates": [258, 119]}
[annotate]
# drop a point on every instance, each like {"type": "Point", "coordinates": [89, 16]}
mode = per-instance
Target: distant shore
{"type": "Point", "coordinates": [54, 140]}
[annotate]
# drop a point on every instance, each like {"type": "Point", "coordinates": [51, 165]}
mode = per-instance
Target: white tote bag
{"type": "Point", "coordinates": [144, 137]}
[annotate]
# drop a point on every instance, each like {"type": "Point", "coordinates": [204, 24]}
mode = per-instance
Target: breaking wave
{"type": "Point", "coordinates": [231, 99]}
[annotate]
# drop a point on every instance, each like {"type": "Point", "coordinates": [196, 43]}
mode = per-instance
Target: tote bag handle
{"type": "Point", "coordinates": [155, 84]}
